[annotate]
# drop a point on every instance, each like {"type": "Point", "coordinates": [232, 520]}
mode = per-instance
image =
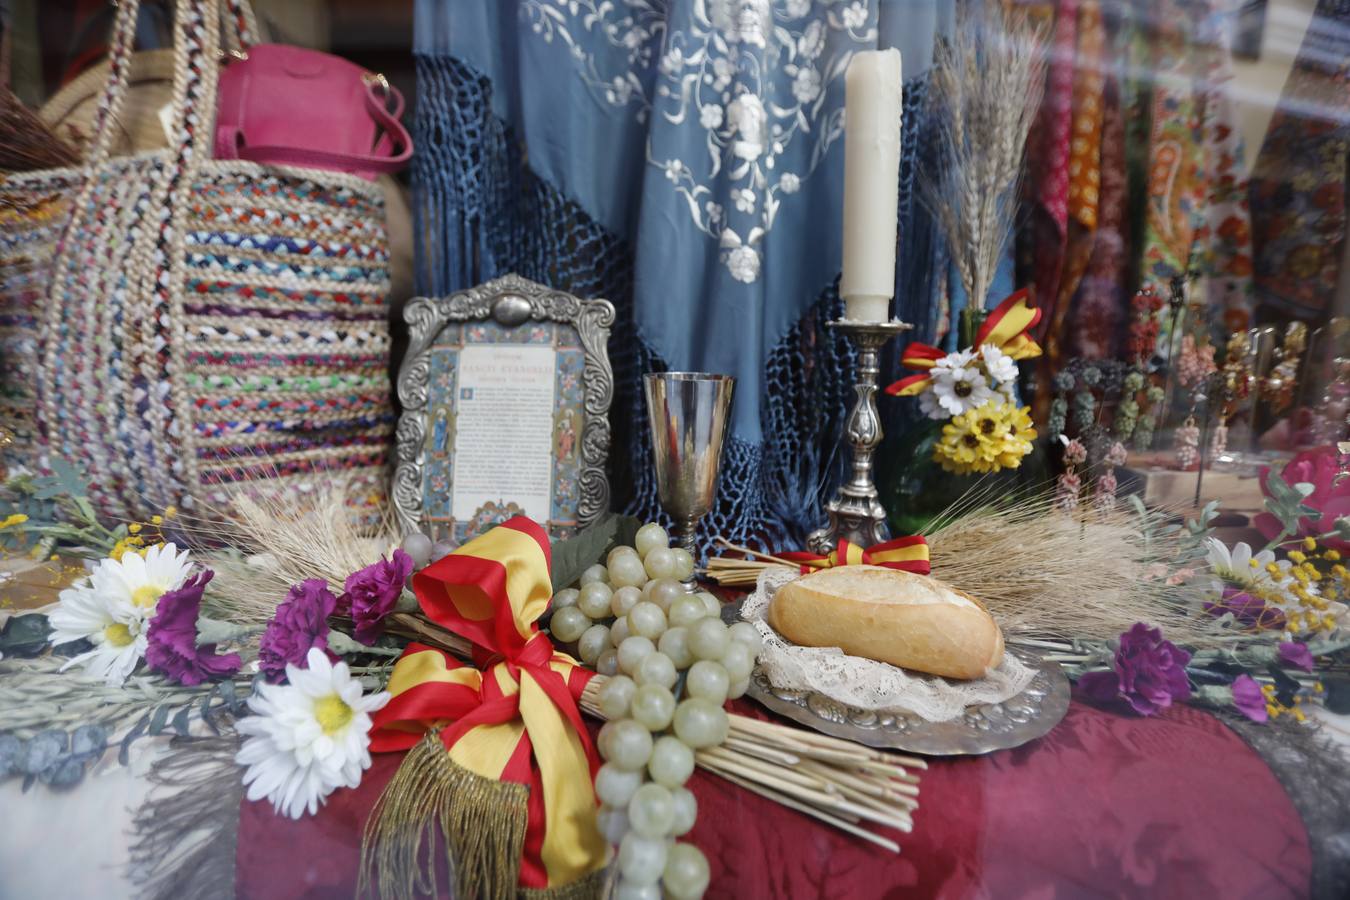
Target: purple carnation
{"type": "Point", "coordinates": [1248, 611]}
{"type": "Point", "coordinates": [301, 622]}
{"type": "Point", "coordinates": [171, 647]}
{"type": "Point", "coordinates": [1249, 700]}
{"type": "Point", "coordinates": [1296, 655]}
{"type": "Point", "coordinates": [1148, 671]}
{"type": "Point", "coordinates": [372, 592]}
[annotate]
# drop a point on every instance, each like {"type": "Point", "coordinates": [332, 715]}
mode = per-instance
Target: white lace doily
{"type": "Point", "coordinates": [865, 683]}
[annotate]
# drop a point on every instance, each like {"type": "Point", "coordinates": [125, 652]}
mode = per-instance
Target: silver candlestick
{"type": "Point", "coordinates": [855, 512]}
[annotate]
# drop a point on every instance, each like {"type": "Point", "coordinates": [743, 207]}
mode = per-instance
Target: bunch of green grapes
{"type": "Point", "coordinates": [672, 664]}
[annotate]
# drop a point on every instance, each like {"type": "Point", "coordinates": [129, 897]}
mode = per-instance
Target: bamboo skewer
{"type": "Point", "coordinates": [837, 747]}
{"type": "Point", "coordinates": [762, 751]}
{"type": "Point", "coordinates": [748, 552]}
{"type": "Point", "coordinates": [716, 758]}
{"type": "Point", "coordinates": [838, 782]}
{"type": "Point", "coordinates": [833, 821]}
{"type": "Point", "coordinates": [738, 572]}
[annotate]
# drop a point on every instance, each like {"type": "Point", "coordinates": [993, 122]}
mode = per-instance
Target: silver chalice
{"type": "Point", "coordinates": [688, 412]}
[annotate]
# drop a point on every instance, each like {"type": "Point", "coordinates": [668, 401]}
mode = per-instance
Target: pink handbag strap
{"type": "Point", "coordinates": [377, 106]}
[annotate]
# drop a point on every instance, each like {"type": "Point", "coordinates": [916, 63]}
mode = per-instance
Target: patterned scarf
{"type": "Point", "coordinates": [1099, 305]}
{"type": "Point", "coordinates": [1298, 186]}
{"type": "Point", "coordinates": [1085, 174]}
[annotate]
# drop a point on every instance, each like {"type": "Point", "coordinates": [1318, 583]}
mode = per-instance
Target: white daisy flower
{"type": "Point", "coordinates": [959, 389]}
{"type": "Point", "coordinates": [957, 360]}
{"type": "Point", "coordinates": [1248, 571]}
{"type": "Point", "coordinates": [139, 581]}
{"type": "Point", "coordinates": [1001, 368]}
{"type": "Point", "coordinates": [1238, 565]}
{"type": "Point", "coordinates": [116, 630]}
{"type": "Point", "coordinates": [307, 738]}
{"type": "Point", "coordinates": [930, 407]}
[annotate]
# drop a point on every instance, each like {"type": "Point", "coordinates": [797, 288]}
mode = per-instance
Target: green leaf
{"type": "Point", "coordinates": [1200, 526]}
{"type": "Point", "coordinates": [206, 712]}
{"type": "Point", "coordinates": [25, 635]}
{"type": "Point", "coordinates": [1343, 529]}
{"type": "Point", "coordinates": [159, 719]}
{"type": "Point", "coordinates": [65, 481]}
{"type": "Point", "coordinates": [228, 694]}
{"type": "Point", "coordinates": [1279, 489]}
{"type": "Point", "coordinates": [625, 535]}
{"type": "Point", "coordinates": [181, 723]}
{"type": "Point", "coordinates": [124, 754]}
{"type": "Point", "coordinates": [572, 556]}
{"type": "Point", "coordinates": [1286, 503]}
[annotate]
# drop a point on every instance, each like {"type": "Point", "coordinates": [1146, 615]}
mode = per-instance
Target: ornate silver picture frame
{"type": "Point", "coordinates": [516, 320]}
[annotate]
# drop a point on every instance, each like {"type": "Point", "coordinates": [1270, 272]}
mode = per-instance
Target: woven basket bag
{"type": "Point", "coordinates": [182, 328]}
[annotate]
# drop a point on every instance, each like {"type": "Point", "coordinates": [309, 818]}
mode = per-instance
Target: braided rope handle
{"type": "Point", "coordinates": [119, 68]}
{"type": "Point", "coordinates": [234, 24]}
{"type": "Point", "coordinates": [244, 34]}
{"type": "Point", "coordinates": [149, 294]}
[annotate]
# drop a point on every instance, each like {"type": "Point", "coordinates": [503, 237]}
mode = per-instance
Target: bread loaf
{"type": "Point", "coordinates": [907, 620]}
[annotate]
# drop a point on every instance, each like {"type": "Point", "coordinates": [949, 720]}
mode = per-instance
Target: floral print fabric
{"type": "Point", "coordinates": [1298, 186]}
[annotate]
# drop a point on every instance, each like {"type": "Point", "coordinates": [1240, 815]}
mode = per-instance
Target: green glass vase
{"type": "Point", "coordinates": [913, 486]}
{"type": "Point", "coordinates": [915, 489]}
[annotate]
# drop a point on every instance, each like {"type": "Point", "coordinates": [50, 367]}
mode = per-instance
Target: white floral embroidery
{"type": "Point", "coordinates": [855, 15]}
{"type": "Point", "coordinates": [753, 74]}
{"type": "Point", "coordinates": [806, 86]}
{"type": "Point", "coordinates": [638, 33]}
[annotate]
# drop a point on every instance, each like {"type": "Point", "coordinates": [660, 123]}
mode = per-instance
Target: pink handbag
{"type": "Point", "coordinates": [288, 106]}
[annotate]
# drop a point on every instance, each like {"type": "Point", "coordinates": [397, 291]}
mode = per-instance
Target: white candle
{"type": "Point", "coordinates": [871, 183]}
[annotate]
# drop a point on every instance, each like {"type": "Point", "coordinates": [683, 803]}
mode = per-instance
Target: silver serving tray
{"type": "Point", "coordinates": [982, 729]}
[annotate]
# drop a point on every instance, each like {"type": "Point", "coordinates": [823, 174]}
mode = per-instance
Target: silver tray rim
{"type": "Point", "coordinates": [1016, 721]}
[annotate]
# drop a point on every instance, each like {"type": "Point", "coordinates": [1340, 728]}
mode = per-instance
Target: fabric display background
{"type": "Point", "coordinates": [1300, 179]}
{"type": "Point", "coordinates": [1136, 173]}
{"type": "Point", "coordinates": [536, 121]}
{"type": "Point", "coordinates": [684, 161]}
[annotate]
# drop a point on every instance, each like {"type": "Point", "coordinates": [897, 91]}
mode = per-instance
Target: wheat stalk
{"type": "Point", "coordinates": [986, 85]}
{"type": "Point", "coordinates": [1044, 573]}
{"type": "Point", "coordinates": [275, 540]}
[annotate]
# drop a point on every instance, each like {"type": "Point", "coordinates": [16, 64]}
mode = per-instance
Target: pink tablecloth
{"type": "Point", "coordinates": [1104, 806]}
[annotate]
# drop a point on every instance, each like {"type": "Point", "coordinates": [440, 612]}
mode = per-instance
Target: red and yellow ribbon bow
{"type": "Point", "coordinates": [515, 718]}
{"type": "Point", "coordinates": [1006, 328]}
{"type": "Point", "coordinates": [908, 554]}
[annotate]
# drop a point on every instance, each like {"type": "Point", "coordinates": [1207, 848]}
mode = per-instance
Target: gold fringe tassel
{"type": "Point", "coordinates": [481, 821]}
{"type": "Point", "coordinates": [588, 887]}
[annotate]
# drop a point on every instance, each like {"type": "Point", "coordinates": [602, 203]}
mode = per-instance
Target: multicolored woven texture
{"type": "Point", "coordinates": [182, 327]}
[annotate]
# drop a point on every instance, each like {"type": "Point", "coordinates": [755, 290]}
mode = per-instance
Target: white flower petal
{"type": "Point", "coordinates": [291, 760]}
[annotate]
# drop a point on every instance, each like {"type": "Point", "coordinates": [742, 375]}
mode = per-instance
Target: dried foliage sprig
{"type": "Point", "coordinates": [38, 696]}
{"type": "Point", "coordinates": [29, 144]}
{"type": "Point", "coordinates": [986, 87]}
{"type": "Point", "coordinates": [1048, 574]}
{"type": "Point", "coordinates": [1087, 574]}
{"type": "Point", "coordinates": [276, 542]}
